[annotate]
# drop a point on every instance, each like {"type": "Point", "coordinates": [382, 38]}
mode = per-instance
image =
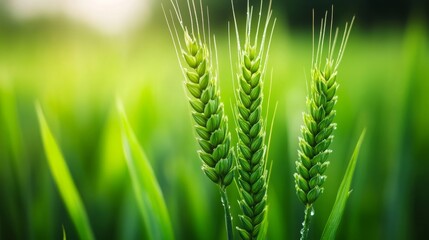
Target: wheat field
{"type": "Point", "coordinates": [77, 75]}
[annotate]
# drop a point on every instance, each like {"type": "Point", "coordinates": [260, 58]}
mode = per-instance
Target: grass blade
{"type": "Point", "coordinates": [64, 234]}
{"type": "Point", "coordinates": [342, 195]}
{"type": "Point", "coordinates": [14, 169]}
{"type": "Point", "coordinates": [63, 179]}
{"type": "Point", "coordinates": [146, 188]}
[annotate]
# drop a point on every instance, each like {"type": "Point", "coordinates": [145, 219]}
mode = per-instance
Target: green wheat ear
{"type": "Point", "coordinates": [251, 147]}
{"type": "Point", "coordinates": [316, 133]}
{"type": "Point", "coordinates": [318, 121]}
{"type": "Point", "coordinates": [211, 124]}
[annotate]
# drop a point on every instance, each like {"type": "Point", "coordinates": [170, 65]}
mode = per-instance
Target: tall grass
{"type": "Point", "coordinates": [146, 188]}
{"type": "Point", "coordinates": [64, 180]}
{"type": "Point", "coordinates": [16, 172]}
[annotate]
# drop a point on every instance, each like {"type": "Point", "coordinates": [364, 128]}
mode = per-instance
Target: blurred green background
{"type": "Point", "coordinates": [77, 57]}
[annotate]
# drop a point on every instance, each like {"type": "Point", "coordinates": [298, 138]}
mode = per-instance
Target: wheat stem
{"type": "Point", "coordinates": [228, 217]}
{"type": "Point", "coordinates": [308, 215]}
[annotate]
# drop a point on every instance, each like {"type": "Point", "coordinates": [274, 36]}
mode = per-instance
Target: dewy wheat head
{"type": "Point", "coordinates": [318, 122]}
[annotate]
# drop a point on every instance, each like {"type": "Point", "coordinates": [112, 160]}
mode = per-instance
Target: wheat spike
{"type": "Point", "coordinates": [316, 133]}
{"type": "Point", "coordinates": [251, 147]}
{"type": "Point", "coordinates": [211, 124]}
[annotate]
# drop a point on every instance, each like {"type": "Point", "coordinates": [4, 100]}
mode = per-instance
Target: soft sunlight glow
{"type": "Point", "coordinates": [109, 16]}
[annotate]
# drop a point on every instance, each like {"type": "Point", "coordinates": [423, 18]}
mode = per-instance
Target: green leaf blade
{"type": "Point", "coordinates": [63, 179]}
{"type": "Point", "coordinates": [64, 234]}
{"type": "Point", "coordinates": [342, 195]}
{"type": "Point", "coordinates": [148, 194]}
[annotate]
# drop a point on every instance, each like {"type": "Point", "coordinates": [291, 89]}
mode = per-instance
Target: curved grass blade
{"type": "Point", "coordinates": [63, 179]}
{"type": "Point", "coordinates": [342, 195]}
{"type": "Point", "coordinates": [147, 192]}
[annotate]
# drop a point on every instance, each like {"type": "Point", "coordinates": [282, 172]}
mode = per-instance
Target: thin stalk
{"type": "Point", "coordinates": [228, 217]}
{"type": "Point", "coordinates": [309, 213]}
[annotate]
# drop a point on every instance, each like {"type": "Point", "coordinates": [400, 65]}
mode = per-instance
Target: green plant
{"type": "Point", "coordinates": [251, 147]}
{"type": "Point", "coordinates": [211, 124]}
{"type": "Point", "coordinates": [318, 122]}
{"type": "Point", "coordinates": [343, 194]}
{"type": "Point", "coordinates": [64, 180]}
{"type": "Point", "coordinates": [146, 188]}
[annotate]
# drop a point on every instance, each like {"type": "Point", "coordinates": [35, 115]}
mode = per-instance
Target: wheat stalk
{"type": "Point", "coordinates": [318, 121]}
{"type": "Point", "coordinates": [211, 124]}
{"type": "Point", "coordinates": [251, 147]}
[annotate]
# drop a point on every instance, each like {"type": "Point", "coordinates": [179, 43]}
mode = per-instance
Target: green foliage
{"type": "Point", "coordinates": [63, 179]}
{"type": "Point", "coordinates": [64, 234]}
{"type": "Point", "coordinates": [147, 192]}
{"type": "Point", "coordinates": [15, 170]}
{"type": "Point", "coordinates": [342, 195]}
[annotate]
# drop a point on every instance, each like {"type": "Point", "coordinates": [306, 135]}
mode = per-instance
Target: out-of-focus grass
{"type": "Point", "coordinates": [63, 180]}
{"type": "Point", "coordinates": [15, 173]}
{"type": "Point", "coordinates": [77, 74]}
{"type": "Point", "coordinates": [146, 188]}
